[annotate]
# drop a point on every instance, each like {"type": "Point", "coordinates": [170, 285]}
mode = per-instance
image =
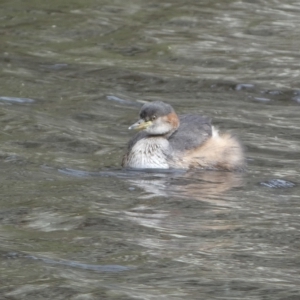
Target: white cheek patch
{"type": "Point", "coordinates": [159, 127]}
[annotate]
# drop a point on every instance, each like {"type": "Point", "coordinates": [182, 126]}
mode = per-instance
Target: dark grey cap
{"type": "Point", "coordinates": [157, 108]}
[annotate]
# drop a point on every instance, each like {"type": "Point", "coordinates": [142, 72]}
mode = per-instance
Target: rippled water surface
{"type": "Point", "coordinates": [73, 224]}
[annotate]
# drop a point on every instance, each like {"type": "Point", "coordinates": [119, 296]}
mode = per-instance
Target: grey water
{"type": "Point", "coordinates": [73, 224]}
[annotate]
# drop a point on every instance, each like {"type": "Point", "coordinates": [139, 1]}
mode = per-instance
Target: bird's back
{"type": "Point", "coordinates": [192, 132]}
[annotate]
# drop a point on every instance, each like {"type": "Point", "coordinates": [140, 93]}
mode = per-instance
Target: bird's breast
{"type": "Point", "coordinates": [149, 153]}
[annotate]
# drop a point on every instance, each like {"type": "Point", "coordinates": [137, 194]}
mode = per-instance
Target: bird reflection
{"type": "Point", "coordinates": [205, 186]}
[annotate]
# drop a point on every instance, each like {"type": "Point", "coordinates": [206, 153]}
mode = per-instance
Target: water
{"type": "Point", "coordinates": [73, 224]}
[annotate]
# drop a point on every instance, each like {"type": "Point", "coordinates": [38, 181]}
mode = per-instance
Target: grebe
{"type": "Point", "coordinates": [182, 142]}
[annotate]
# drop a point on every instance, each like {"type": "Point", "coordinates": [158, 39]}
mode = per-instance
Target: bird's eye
{"type": "Point", "coordinates": [153, 118]}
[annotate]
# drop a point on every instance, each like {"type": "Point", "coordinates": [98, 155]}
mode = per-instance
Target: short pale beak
{"type": "Point", "coordinates": [140, 125]}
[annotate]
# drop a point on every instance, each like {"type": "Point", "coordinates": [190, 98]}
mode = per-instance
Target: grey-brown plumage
{"type": "Point", "coordinates": [191, 133]}
{"type": "Point", "coordinates": [187, 141]}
